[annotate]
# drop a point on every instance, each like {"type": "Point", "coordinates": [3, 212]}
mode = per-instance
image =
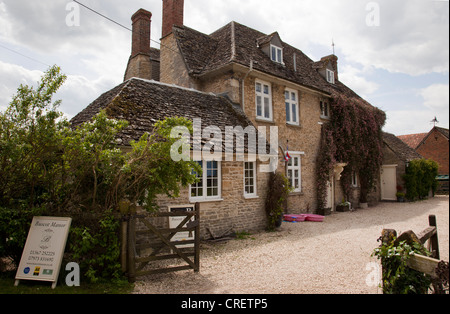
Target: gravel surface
{"type": "Point", "coordinates": [333, 257]}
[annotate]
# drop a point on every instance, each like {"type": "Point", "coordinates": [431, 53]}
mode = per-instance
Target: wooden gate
{"type": "Point", "coordinates": [164, 248]}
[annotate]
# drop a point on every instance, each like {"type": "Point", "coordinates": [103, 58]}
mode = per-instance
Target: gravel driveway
{"type": "Point", "coordinates": [328, 258]}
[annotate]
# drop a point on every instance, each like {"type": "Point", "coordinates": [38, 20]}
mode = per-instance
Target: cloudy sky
{"type": "Point", "coordinates": [394, 53]}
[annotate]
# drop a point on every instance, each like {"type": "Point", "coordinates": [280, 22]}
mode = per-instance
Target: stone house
{"type": "Point", "coordinates": [235, 76]}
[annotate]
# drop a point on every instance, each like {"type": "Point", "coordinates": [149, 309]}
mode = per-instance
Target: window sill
{"type": "Point", "coordinates": [193, 201]}
{"type": "Point", "coordinates": [298, 126]}
{"type": "Point", "coordinates": [296, 194]}
{"type": "Point", "coordinates": [264, 120]}
{"type": "Point", "coordinates": [251, 197]}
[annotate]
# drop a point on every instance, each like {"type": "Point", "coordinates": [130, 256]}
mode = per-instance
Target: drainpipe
{"type": "Point", "coordinates": [243, 85]}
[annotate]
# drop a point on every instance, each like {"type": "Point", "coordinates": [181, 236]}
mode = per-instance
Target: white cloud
{"type": "Point", "coordinates": [76, 93]}
{"type": "Point", "coordinates": [417, 118]}
{"type": "Point", "coordinates": [403, 122]}
{"type": "Point", "coordinates": [357, 79]}
{"type": "Point", "coordinates": [436, 97]}
{"type": "Point", "coordinates": [12, 76]}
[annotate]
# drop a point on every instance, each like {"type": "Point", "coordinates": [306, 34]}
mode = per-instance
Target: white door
{"type": "Point", "coordinates": [389, 183]}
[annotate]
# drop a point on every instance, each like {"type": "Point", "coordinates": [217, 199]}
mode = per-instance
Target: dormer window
{"type": "Point", "coordinates": [330, 76]}
{"type": "Point", "coordinates": [276, 54]}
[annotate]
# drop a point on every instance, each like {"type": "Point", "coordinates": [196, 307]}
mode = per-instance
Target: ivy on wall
{"type": "Point", "coordinates": [352, 136]}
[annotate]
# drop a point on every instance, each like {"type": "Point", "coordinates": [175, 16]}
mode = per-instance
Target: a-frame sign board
{"type": "Point", "coordinates": [44, 250]}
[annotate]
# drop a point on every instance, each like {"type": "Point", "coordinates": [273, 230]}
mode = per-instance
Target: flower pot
{"type": "Point", "coordinates": [400, 199]}
{"type": "Point", "coordinates": [279, 221]}
{"type": "Point", "coordinates": [324, 211]}
{"type": "Point", "coordinates": [343, 208]}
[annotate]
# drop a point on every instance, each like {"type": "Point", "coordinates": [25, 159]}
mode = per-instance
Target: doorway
{"type": "Point", "coordinates": [389, 182]}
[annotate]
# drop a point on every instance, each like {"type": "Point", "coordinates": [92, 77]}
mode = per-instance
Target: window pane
{"type": "Point", "coordinates": [258, 88]}
{"type": "Point", "coordinates": [293, 97]}
{"type": "Point", "coordinates": [274, 54]}
{"type": "Point", "coordinates": [294, 112]}
{"type": "Point", "coordinates": [258, 106]}
{"type": "Point", "coordinates": [280, 58]}
{"type": "Point", "coordinates": [266, 89]}
{"type": "Point", "coordinates": [286, 95]}
{"type": "Point", "coordinates": [288, 112]}
{"type": "Point", "coordinates": [266, 108]}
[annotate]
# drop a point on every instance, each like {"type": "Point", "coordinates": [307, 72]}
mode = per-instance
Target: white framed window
{"type": "Point", "coordinates": [250, 179]}
{"type": "Point", "coordinates": [263, 100]}
{"type": "Point", "coordinates": [292, 107]}
{"type": "Point", "coordinates": [324, 110]}
{"type": "Point", "coordinates": [294, 171]}
{"type": "Point", "coordinates": [276, 54]}
{"type": "Point", "coordinates": [209, 185]}
{"type": "Point", "coordinates": [330, 76]}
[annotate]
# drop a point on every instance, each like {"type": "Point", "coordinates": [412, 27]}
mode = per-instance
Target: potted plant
{"type": "Point", "coordinates": [400, 197]}
{"type": "Point", "coordinates": [400, 194]}
{"type": "Point", "coordinates": [345, 206]}
{"type": "Point", "coordinates": [324, 211]}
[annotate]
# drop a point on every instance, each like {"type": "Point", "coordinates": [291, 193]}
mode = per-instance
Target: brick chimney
{"type": "Point", "coordinates": [144, 61]}
{"type": "Point", "coordinates": [173, 14]}
{"type": "Point", "coordinates": [142, 21]}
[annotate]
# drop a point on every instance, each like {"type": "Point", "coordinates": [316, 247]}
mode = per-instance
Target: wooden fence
{"type": "Point", "coordinates": [160, 245]}
{"type": "Point", "coordinates": [427, 265]}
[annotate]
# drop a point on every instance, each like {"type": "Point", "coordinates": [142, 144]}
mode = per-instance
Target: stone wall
{"type": "Point", "coordinates": [234, 213]}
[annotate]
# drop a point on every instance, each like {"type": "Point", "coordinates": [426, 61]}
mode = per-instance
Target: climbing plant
{"type": "Point", "coordinates": [352, 136]}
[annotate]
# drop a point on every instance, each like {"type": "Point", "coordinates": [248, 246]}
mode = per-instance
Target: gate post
{"type": "Point", "coordinates": [434, 239]}
{"type": "Point", "coordinates": [197, 239]}
{"type": "Point", "coordinates": [131, 249]}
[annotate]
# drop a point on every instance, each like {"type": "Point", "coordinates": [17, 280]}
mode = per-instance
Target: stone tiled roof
{"type": "Point", "coordinates": [400, 148]}
{"type": "Point", "coordinates": [142, 103]}
{"type": "Point", "coordinates": [237, 43]}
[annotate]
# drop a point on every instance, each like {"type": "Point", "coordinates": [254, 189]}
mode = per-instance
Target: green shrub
{"type": "Point", "coordinates": [398, 278]}
{"type": "Point", "coordinates": [14, 226]}
{"type": "Point", "coordinates": [420, 179]}
{"type": "Point", "coordinates": [96, 248]}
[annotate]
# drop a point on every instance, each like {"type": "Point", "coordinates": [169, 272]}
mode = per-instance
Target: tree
{"type": "Point", "coordinates": [49, 167]}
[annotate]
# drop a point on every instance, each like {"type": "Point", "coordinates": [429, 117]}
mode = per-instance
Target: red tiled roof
{"type": "Point", "coordinates": [413, 140]}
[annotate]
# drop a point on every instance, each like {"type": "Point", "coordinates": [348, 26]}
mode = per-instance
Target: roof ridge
{"type": "Point", "coordinates": [233, 41]}
{"type": "Point", "coordinates": [172, 85]}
